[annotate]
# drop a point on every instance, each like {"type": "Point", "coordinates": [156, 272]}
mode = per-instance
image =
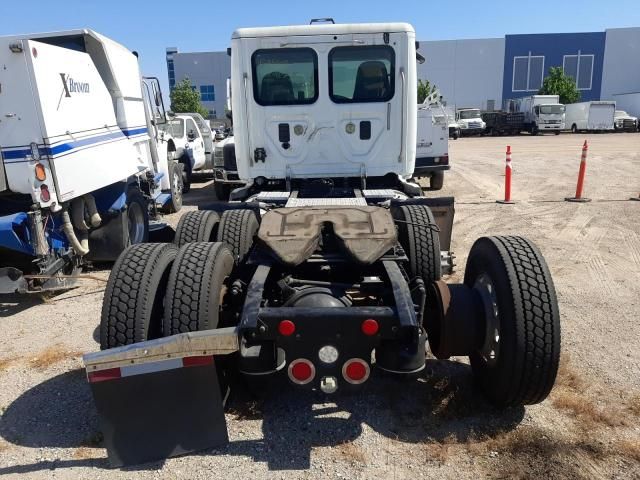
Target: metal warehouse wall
{"type": "Point", "coordinates": [467, 72]}
{"type": "Point", "coordinates": [205, 68]}
{"type": "Point", "coordinates": [553, 47]}
{"type": "Point", "coordinates": [621, 62]}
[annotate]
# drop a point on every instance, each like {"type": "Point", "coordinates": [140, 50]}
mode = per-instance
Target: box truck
{"type": "Point", "coordinates": [542, 113]}
{"type": "Point", "coordinates": [590, 116]}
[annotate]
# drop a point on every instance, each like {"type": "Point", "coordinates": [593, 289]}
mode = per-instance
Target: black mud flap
{"type": "Point", "coordinates": [153, 412]}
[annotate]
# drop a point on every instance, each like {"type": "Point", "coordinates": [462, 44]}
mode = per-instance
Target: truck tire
{"type": "Point", "coordinates": [133, 299]}
{"type": "Point", "coordinates": [237, 229]}
{"type": "Point", "coordinates": [137, 217]}
{"type": "Point", "coordinates": [436, 181]}
{"type": "Point", "coordinates": [186, 173]}
{"type": "Point", "coordinates": [176, 186]}
{"type": "Point", "coordinates": [222, 190]}
{"type": "Point", "coordinates": [523, 321]}
{"type": "Point", "coordinates": [195, 287]}
{"type": "Point", "coordinates": [420, 241]}
{"type": "Point", "coordinates": [574, 128]}
{"type": "Point", "coordinates": [196, 226]}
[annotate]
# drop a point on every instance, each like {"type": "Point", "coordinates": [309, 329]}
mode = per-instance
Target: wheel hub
{"type": "Point", "coordinates": [490, 348]}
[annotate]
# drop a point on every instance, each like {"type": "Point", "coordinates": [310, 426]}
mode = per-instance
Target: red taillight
{"type": "Point", "coordinates": [444, 159]}
{"type": "Point", "coordinates": [301, 371]}
{"type": "Point", "coordinates": [45, 196]}
{"type": "Point", "coordinates": [355, 371]}
{"type": "Point", "coordinates": [104, 375]}
{"type": "Point", "coordinates": [369, 326]}
{"type": "Point", "coordinates": [199, 361]}
{"type": "Point", "coordinates": [286, 328]}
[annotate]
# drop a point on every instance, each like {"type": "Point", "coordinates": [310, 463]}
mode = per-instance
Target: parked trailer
{"type": "Point", "coordinates": [503, 123]}
{"type": "Point", "coordinates": [83, 167]}
{"type": "Point", "coordinates": [590, 116]}
{"type": "Point", "coordinates": [330, 258]}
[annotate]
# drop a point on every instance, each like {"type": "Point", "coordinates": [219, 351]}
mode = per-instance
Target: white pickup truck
{"type": "Point", "coordinates": [194, 144]}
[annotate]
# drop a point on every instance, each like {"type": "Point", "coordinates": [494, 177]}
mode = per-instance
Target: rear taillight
{"type": "Point", "coordinates": [369, 327]}
{"type": "Point", "coordinates": [104, 375]}
{"type": "Point", "coordinates": [286, 328]}
{"type": "Point", "coordinates": [355, 371]}
{"type": "Point", "coordinates": [444, 159]}
{"type": "Point", "coordinates": [45, 196]}
{"type": "Point", "coordinates": [41, 173]}
{"type": "Point", "coordinates": [301, 371]}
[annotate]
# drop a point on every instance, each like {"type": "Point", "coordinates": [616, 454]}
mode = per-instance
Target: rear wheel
{"type": "Point", "coordinates": [137, 217]}
{"type": "Point", "coordinates": [417, 233]}
{"type": "Point", "coordinates": [176, 186]}
{"type": "Point", "coordinates": [196, 288]}
{"type": "Point", "coordinates": [436, 181]}
{"type": "Point", "coordinates": [133, 300]}
{"type": "Point", "coordinates": [237, 229]}
{"type": "Point", "coordinates": [517, 360]}
{"type": "Point", "coordinates": [186, 174]}
{"type": "Point", "coordinates": [574, 128]}
{"type": "Point", "coordinates": [197, 226]}
{"type": "Point", "coordinates": [223, 190]}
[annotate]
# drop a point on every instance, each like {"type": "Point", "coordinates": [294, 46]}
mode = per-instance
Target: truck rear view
{"type": "Point", "coordinates": [77, 156]}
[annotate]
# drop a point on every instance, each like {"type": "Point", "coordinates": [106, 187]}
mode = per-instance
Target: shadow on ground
{"type": "Point", "coordinates": [440, 405]}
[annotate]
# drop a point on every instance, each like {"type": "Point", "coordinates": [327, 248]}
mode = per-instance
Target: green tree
{"type": "Point", "coordinates": [185, 99]}
{"type": "Point", "coordinates": [424, 90]}
{"type": "Point", "coordinates": [557, 83]}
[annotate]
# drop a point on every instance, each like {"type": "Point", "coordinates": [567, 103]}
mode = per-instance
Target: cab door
{"type": "Point", "coordinates": [196, 143]}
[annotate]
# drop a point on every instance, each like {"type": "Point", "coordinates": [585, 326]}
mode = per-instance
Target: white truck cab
{"type": "Point", "coordinates": [194, 143]}
{"type": "Point", "coordinates": [469, 121]}
{"type": "Point", "coordinates": [324, 100]}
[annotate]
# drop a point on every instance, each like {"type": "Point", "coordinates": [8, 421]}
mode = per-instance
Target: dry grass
{"type": "Point", "coordinates": [440, 451]}
{"type": "Point", "coordinates": [633, 405]}
{"type": "Point", "coordinates": [567, 376]}
{"type": "Point", "coordinates": [629, 449]}
{"type": "Point", "coordinates": [586, 411]}
{"type": "Point", "coordinates": [52, 355]}
{"type": "Point", "coordinates": [6, 363]}
{"type": "Point", "coordinates": [351, 452]}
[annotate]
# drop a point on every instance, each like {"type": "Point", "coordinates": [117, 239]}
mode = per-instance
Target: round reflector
{"type": "Point", "coordinates": [41, 173]}
{"type": "Point", "coordinates": [45, 196]}
{"type": "Point", "coordinates": [286, 327]}
{"type": "Point", "coordinates": [355, 371]}
{"type": "Point", "coordinates": [301, 371]}
{"type": "Point", "coordinates": [369, 326]}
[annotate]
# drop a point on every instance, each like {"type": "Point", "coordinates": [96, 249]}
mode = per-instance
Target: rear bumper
{"type": "Point", "coordinates": [427, 165]}
{"type": "Point", "coordinates": [223, 176]}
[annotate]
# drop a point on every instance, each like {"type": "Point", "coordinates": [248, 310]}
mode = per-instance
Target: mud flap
{"type": "Point", "coordinates": [150, 415]}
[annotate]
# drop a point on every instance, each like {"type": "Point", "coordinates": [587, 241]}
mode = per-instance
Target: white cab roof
{"type": "Point", "coordinates": [322, 29]}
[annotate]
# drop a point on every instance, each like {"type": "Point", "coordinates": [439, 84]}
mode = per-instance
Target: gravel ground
{"type": "Point", "coordinates": [436, 426]}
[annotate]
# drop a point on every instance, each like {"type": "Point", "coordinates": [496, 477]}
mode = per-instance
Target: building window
{"type": "Point", "coordinates": [207, 93]}
{"type": "Point", "coordinates": [172, 74]}
{"type": "Point", "coordinates": [528, 73]}
{"type": "Point", "coordinates": [580, 68]}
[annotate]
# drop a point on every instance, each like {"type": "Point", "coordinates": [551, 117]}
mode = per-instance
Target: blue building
{"type": "Point", "coordinates": [528, 58]}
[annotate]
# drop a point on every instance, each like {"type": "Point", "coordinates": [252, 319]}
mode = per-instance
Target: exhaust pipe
{"type": "Point", "coordinates": [81, 247]}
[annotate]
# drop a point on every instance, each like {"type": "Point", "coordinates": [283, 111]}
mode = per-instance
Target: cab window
{"type": "Point", "coordinates": [361, 74]}
{"type": "Point", "coordinates": [285, 76]}
{"type": "Point", "coordinates": [192, 131]}
{"type": "Point", "coordinates": [174, 127]}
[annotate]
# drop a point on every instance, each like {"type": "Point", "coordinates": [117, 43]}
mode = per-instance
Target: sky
{"type": "Point", "coordinates": [196, 25]}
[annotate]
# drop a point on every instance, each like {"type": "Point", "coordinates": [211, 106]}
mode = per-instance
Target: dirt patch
{"type": "Point", "coordinates": [633, 405]}
{"type": "Point", "coordinates": [629, 449]}
{"type": "Point", "coordinates": [52, 355]}
{"type": "Point", "coordinates": [351, 452]}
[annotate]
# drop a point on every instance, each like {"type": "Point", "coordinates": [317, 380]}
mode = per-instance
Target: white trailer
{"type": "Point", "coordinates": [542, 113]}
{"type": "Point", "coordinates": [590, 116]}
{"type": "Point", "coordinates": [82, 166]}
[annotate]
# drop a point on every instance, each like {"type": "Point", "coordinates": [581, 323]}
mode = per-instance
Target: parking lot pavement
{"type": "Point", "coordinates": [435, 426]}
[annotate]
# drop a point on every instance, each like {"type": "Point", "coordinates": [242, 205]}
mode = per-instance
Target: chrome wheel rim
{"type": "Point", "coordinates": [490, 349]}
